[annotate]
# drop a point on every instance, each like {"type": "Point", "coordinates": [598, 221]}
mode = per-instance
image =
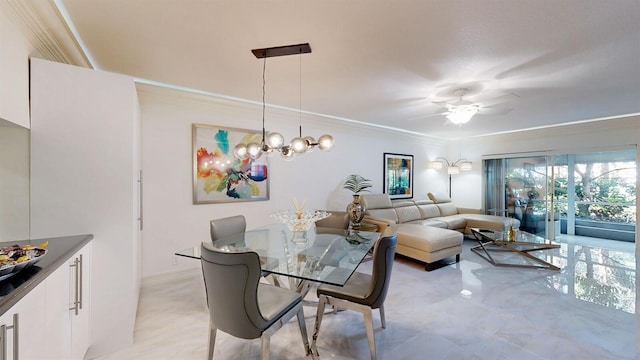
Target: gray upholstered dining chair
{"type": "Point", "coordinates": [240, 305]}
{"type": "Point", "coordinates": [227, 226]}
{"type": "Point", "coordinates": [362, 292]}
{"type": "Point", "coordinates": [232, 225]}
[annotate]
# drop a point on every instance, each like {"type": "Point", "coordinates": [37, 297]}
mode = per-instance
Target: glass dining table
{"type": "Point", "coordinates": [326, 255]}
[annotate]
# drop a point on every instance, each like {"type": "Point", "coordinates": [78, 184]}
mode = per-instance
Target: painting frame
{"type": "Point", "coordinates": [398, 175]}
{"type": "Point", "coordinates": [218, 176]}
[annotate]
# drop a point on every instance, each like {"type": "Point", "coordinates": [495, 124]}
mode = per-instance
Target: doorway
{"type": "Point", "coordinates": [588, 194]}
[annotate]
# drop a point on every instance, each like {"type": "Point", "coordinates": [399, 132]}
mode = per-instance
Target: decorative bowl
{"type": "Point", "coordinates": [18, 260]}
{"type": "Point", "coordinates": [298, 221]}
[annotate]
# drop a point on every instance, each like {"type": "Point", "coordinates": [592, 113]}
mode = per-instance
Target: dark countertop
{"type": "Point", "coordinates": [60, 249]}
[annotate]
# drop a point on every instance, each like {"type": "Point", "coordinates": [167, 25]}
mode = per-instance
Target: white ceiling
{"type": "Point", "coordinates": [384, 62]}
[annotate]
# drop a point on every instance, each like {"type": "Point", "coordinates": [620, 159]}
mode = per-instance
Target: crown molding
{"type": "Point", "coordinates": [45, 28]}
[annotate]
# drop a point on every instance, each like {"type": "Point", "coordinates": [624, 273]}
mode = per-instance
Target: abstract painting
{"type": "Point", "coordinates": [218, 176]}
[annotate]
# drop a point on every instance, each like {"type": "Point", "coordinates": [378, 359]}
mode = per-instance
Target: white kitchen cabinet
{"type": "Point", "coordinates": [80, 301]}
{"type": "Point", "coordinates": [22, 326]}
{"type": "Point", "coordinates": [67, 307]}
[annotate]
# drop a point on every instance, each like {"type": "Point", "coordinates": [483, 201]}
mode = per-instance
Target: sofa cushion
{"type": "Point", "coordinates": [447, 209]}
{"type": "Point", "coordinates": [389, 214]}
{"type": "Point", "coordinates": [454, 222]}
{"type": "Point", "coordinates": [490, 222]}
{"type": "Point", "coordinates": [413, 235]}
{"type": "Point", "coordinates": [431, 222]}
{"type": "Point", "coordinates": [401, 203]}
{"type": "Point", "coordinates": [376, 201]}
{"type": "Point", "coordinates": [439, 198]}
{"type": "Point", "coordinates": [423, 202]}
{"type": "Point", "coordinates": [408, 213]}
{"type": "Point", "coordinates": [428, 211]}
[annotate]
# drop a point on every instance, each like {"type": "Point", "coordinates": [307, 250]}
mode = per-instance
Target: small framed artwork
{"type": "Point", "coordinates": [218, 176]}
{"type": "Point", "coordinates": [398, 176]}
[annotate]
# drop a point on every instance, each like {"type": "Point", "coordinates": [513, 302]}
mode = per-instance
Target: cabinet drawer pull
{"type": "Point", "coordinates": [80, 271]}
{"type": "Point", "coordinates": [16, 340]}
{"type": "Point", "coordinates": [3, 335]}
{"type": "Point", "coordinates": [76, 296]}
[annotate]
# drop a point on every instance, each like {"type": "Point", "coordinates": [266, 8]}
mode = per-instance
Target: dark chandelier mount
{"type": "Point", "coordinates": [274, 141]}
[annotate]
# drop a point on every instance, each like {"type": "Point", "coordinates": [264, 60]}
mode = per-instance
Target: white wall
{"type": "Point", "coordinates": [15, 49]}
{"type": "Point", "coordinates": [14, 182]}
{"type": "Point", "coordinates": [172, 222]}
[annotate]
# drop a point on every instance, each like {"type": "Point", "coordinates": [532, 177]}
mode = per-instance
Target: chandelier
{"type": "Point", "coordinates": [274, 141]}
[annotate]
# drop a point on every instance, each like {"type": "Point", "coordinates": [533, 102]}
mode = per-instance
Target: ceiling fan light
{"type": "Point", "coordinates": [461, 115]}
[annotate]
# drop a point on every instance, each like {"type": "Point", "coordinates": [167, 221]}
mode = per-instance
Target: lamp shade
{"type": "Point", "coordinates": [275, 140]}
{"type": "Point", "coordinates": [436, 165]}
{"type": "Point", "coordinates": [299, 145]}
{"type": "Point", "coordinates": [453, 170]}
{"type": "Point", "coordinates": [465, 166]}
{"type": "Point", "coordinates": [325, 142]}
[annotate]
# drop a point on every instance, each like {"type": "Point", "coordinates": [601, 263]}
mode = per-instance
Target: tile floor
{"type": "Point", "coordinates": [585, 311]}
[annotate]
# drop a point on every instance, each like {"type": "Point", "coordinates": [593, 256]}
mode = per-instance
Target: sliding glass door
{"type": "Point", "coordinates": [588, 194]}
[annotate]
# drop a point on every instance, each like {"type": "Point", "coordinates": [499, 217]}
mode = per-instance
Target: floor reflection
{"type": "Point", "coordinates": [598, 275]}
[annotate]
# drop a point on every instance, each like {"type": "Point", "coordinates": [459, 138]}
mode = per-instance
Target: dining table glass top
{"type": "Point", "coordinates": [322, 255]}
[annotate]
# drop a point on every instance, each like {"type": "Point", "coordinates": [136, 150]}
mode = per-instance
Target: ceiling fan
{"type": "Point", "coordinates": [460, 111]}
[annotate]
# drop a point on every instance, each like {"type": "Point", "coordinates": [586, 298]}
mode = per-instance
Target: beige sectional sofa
{"type": "Point", "coordinates": [430, 230]}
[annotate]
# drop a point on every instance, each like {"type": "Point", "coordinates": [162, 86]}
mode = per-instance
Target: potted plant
{"type": "Point", "coordinates": [356, 184]}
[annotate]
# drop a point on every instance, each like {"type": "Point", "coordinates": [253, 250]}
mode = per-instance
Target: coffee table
{"type": "Point", "coordinates": [491, 241]}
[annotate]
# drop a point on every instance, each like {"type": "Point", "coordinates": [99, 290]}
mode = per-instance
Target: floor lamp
{"type": "Point", "coordinates": [453, 168]}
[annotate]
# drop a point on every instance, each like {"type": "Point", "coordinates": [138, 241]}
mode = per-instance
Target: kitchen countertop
{"type": "Point", "coordinates": [59, 250]}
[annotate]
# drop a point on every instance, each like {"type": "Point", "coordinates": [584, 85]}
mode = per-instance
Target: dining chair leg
{"type": "Point", "coordinates": [212, 339]}
{"type": "Point", "coordinates": [303, 331]}
{"type": "Point", "coordinates": [266, 346]}
{"type": "Point", "coordinates": [384, 324]}
{"type": "Point", "coordinates": [368, 323]}
{"type": "Point", "coordinates": [316, 329]}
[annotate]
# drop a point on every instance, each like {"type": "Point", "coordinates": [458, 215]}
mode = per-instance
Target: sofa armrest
{"type": "Point", "coordinates": [469, 211]}
{"type": "Point", "coordinates": [385, 226]}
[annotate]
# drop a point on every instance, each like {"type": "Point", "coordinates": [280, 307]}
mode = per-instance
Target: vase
{"type": "Point", "coordinates": [356, 212]}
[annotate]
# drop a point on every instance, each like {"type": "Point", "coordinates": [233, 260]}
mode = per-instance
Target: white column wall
{"type": "Point", "coordinates": [173, 223]}
{"type": "Point", "coordinates": [83, 181]}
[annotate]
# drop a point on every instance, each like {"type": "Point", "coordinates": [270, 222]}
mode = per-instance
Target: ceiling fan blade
{"type": "Point", "coordinates": [491, 110]}
{"type": "Point", "coordinates": [426, 116]}
{"type": "Point", "coordinates": [497, 100]}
